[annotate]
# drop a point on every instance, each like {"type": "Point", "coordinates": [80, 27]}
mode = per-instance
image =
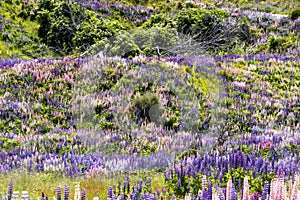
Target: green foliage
{"type": "Point", "coordinates": [199, 83]}
{"type": "Point", "coordinates": [144, 103]}
{"type": "Point", "coordinates": [124, 45]}
{"type": "Point", "coordinates": [93, 29]}
{"type": "Point", "coordinates": [295, 14]}
{"type": "Point", "coordinates": [58, 25]}
{"type": "Point", "coordinates": [141, 41]}
{"type": "Point", "coordinates": [70, 28]}
{"type": "Point", "coordinates": [18, 35]}
{"type": "Point", "coordinates": [188, 153]}
{"type": "Point", "coordinates": [140, 2]}
{"type": "Point", "coordinates": [181, 186]}
{"type": "Point", "coordinates": [159, 20]}
{"type": "Point", "coordinates": [194, 19]}
{"type": "Point", "coordinates": [190, 4]}
{"type": "Point", "coordinates": [279, 43]}
{"type": "Point", "coordinates": [8, 144]}
{"type": "Point", "coordinates": [172, 122]}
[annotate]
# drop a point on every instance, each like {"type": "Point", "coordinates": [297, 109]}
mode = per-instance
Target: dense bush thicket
{"type": "Point", "coordinates": [190, 31]}
{"type": "Point", "coordinates": [70, 27]}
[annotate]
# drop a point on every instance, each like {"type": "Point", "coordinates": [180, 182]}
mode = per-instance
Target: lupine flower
{"type": "Point", "coordinates": [265, 191]}
{"type": "Point", "coordinates": [221, 195]}
{"type": "Point", "coordinates": [295, 191]}
{"type": "Point", "coordinates": [77, 192]}
{"type": "Point", "coordinates": [228, 188]}
{"type": "Point", "coordinates": [246, 195]}
{"type": "Point", "coordinates": [58, 193]}
{"type": "Point", "coordinates": [83, 195]}
{"type": "Point", "coordinates": [10, 189]}
{"type": "Point", "coordinates": [24, 195]}
{"type": "Point", "coordinates": [204, 183]}
{"type": "Point", "coordinates": [67, 192]}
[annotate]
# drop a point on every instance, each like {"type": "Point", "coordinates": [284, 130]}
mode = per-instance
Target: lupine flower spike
{"type": "Point", "coordinates": [10, 189]}
{"type": "Point", "coordinates": [246, 195]}
{"type": "Point", "coordinates": [77, 192]}
{"type": "Point", "coordinates": [228, 188]}
{"type": "Point", "coordinates": [204, 183]}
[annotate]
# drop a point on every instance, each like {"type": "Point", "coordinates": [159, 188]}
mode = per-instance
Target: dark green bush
{"type": "Point", "coordinates": [194, 19]}
{"type": "Point", "coordinates": [70, 27]}
{"type": "Point", "coordinates": [190, 4]}
{"type": "Point", "coordinates": [143, 104]}
{"type": "Point", "coordinates": [279, 43]}
{"type": "Point", "coordinates": [141, 41]}
{"type": "Point", "coordinates": [58, 24]}
{"type": "Point", "coordinates": [93, 29]}
{"type": "Point", "coordinates": [140, 2]}
{"type": "Point", "coordinates": [295, 14]}
{"type": "Point", "coordinates": [159, 20]}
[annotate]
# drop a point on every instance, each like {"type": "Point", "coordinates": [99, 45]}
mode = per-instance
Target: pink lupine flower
{"type": "Point", "coordinates": [246, 195]}
{"type": "Point", "coordinates": [290, 188]}
{"type": "Point", "coordinates": [228, 188]}
{"type": "Point", "coordinates": [295, 190]}
{"type": "Point", "coordinates": [273, 189]}
{"type": "Point", "coordinates": [241, 85]}
{"type": "Point", "coordinates": [265, 144]}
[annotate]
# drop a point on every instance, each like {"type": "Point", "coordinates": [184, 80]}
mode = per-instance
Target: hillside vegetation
{"type": "Point", "coordinates": [148, 99]}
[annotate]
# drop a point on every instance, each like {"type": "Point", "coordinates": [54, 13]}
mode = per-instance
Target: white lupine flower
{"type": "Point", "coordinates": [77, 192]}
{"type": "Point", "coordinates": [15, 195]}
{"type": "Point", "coordinates": [24, 195]}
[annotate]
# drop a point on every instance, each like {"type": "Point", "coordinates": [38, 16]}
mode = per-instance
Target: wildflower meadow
{"type": "Point", "coordinates": [149, 100]}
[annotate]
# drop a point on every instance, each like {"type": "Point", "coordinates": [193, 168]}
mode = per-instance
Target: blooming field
{"type": "Point", "coordinates": [219, 126]}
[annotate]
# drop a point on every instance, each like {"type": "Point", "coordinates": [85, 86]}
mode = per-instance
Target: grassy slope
{"type": "Point", "coordinates": [37, 183]}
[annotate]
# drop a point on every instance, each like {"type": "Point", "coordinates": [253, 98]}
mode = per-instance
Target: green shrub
{"type": "Point", "coordinates": [279, 43]}
{"type": "Point", "coordinates": [69, 27]}
{"type": "Point", "coordinates": [159, 20]}
{"type": "Point", "coordinates": [58, 24]}
{"type": "Point", "coordinates": [141, 41]}
{"type": "Point", "coordinates": [123, 45]}
{"type": "Point", "coordinates": [144, 103]}
{"type": "Point", "coordinates": [190, 4]}
{"type": "Point", "coordinates": [94, 29]}
{"type": "Point", "coordinates": [193, 19]}
{"type": "Point", "coordinates": [295, 14]}
{"type": "Point", "coordinates": [140, 2]}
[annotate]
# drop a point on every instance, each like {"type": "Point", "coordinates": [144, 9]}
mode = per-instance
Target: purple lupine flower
{"type": "Point", "coordinates": [67, 192]}
{"type": "Point", "coordinates": [221, 195]}
{"type": "Point", "coordinates": [135, 194]}
{"type": "Point", "coordinates": [109, 192]}
{"type": "Point", "coordinates": [209, 191]}
{"type": "Point", "coordinates": [173, 197]}
{"type": "Point", "coordinates": [265, 191]}
{"type": "Point", "coordinates": [10, 189]}
{"type": "Point", "coordinates": [233, 193]}
{"type": "Point", "coordinates": [163, 190]}
{"type": "Point", "coordinates": [83, 194]}
{"type": "Point", "coordinates": [179, 183]}
{"type": "Point", "coordinates": [255, 196]}
{"type": "Point", "coordinates": [157, 191]}
{"type": "Point", "coordinates": [58, 193]}
{"type": "Point", "coordinates": [204, 195]}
